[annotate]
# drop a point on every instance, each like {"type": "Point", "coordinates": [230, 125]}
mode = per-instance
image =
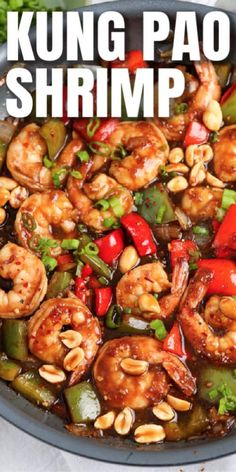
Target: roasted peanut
{"type": "Point", "coordinates": [70, 338]}
{"type": "Point", "coordinates": [176, 155]}
{"type": "Point", "coordinates": [181, 168]}
{"type": "Point", "coordinates": [128, 259]}
{"type": "Point", "coordinates": [163, 411]}
{"type": "Point", "coordinates": [178, 404]}
{"type": "Point", "coordinates": [212, 117]}
{"type": "Point", "coordinates": [214, 181]}
{"type": "Point", "coordinates": [105, 421]}
{"type": "Point", "coordinates": [73, 358]}
{"type": "Point", "coordinates": [18, 196]}
{"type": "Point", "coordinates": [149, 433]}
{"type": "Point", "coordinates": [124, 421]}
{"type": "Point", "coordinates": [177, 184]}
{"type": "Point", "coordinates": [4, 196]}
{"type": "Point", "coordinates": [51, 373]}
{"type": "Point", "coordinates": [197, 174]}
{"type": "Point", "coordinates": [134, 366]}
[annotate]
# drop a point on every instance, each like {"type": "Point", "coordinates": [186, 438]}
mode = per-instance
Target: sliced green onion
{"type": "Point", "coordinates": [28, 221]}
{"type": "Point", "coordinates": [127, 310]}
{"type": "Point", "coordinates": [91, 249]}
{"type": "Point", "coordinates": [82, 228]}
{"type": "Point", "coordinates": [193, 266]}
{"type": "Point", "coordinates": [100, 148]}
{"type": "Point", "coordinates": [92, 126]}
{"type": "Point", "coordinates": [160, 214]}
{"type": "Point", "coordinates": [34, 242]}
{"type": "Point", "coordinates": [58, 176]}
{"type": "Point", "coordinates": [113, 318]}
{"type": "Point", "coordinates": [83, 156]}
{"type": "Point", "coordinates": [159, 327]}
{"type": "Point", "coordinates": [214, 137]}
{"type": "Point", "coordinates": [49, 262]}
{"type": "Point", "coordinates": [116, 206]}
{"type": "Point", "coordinates": [79, 268]}
{"type": "Point", "coordinates": [103, 204]}
{"type": "Point", "coordinates": [220, 214]}
{"type": "Point", "coordinates": [118, 153]}
{"type": "Point", "coordinates": [181, 108]}
{"type": "Point", "coordinates": [228, 198]}
{"type": "Point", "coordinates": [70, 244]}
{"type": "Point", "coordinates": [108, 222]}
{"type": "Point", "coordinates": [76, 174]}
{"type": "Point", "coordinates": [213, 393]}
{"type": "Point", "coordinates": [47, 162]}
{"type": "Point", "coordinates": [163, 172]}
{"type": "Point", "coordinates": [103, 281]}
{"type": "Point", "coordinates": [138, 198]}
{"type": "Point", "coordinates": [201, 230]}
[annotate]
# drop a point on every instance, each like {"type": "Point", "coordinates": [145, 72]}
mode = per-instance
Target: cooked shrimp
{"type": "Point", "coordinates": [201, 203]}
{"type": "Point", "coordinates": [45, 329]}
{"type": "Point", "coordinates": [225, 154]}
{"type": "Point", "coordinates": [85, 197]}
{"type": "Point", "coordinates": [216, 347]}
{"type": "Point", "coordinates": [29, 279]}
{"type": "Point", "coordinates": [209, 89]}
{"type": "Point", "coordinates": [151, 278]}
{"type": "Point", "coordinates": [120, 389]}
{"type": "Point", "coordinates": [147, 150]}
{"type": "Point", "coordinates": [45, 215]}
{"type": "Point", "coordinates": [25, 159]}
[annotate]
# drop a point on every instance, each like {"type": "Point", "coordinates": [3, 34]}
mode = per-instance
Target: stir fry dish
{"type": "Point", "coordinates": [117, 265]}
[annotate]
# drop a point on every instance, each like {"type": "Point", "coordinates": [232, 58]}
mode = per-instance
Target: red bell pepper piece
{"type": "Point", "coordinates": [196, 133]}
{"type": "Point", "coordinates": [228, 92]}
{"type": "Point", "coordinates": [140, 232]}
{"type": "Point", "coordinates": [225, 239]}
{"type": "Point", "coordinates": [181, 250]}
{"type": "Point", "coordinates": [111, 246]}
{"type": "Point", "coordinates": [215, 225]}
{"type": "Point", "coordinates": [174, 341]}
{"type": "Point", "coordinates": [80, 289]}
{"type": "Point", "coordinates": [224, 275]}
{"type": "Point", "coordinates": [133, 61]}
{"type": "Point", "coordinates": [103, 299]}
{"type": "Point", "coordinates": [65, 262]}
{"type": "Point", "coordinates": [106, 127]}
{"type": "Point", "coordinates": [86, 271]}
{"type": "Point", "coordinates": [93, 282]}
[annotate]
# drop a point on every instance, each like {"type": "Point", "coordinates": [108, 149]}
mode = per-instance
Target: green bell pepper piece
{"type": "Point", "coordinates": [194, 424]}
{"type": "Point", "coordinates": [59, 282]}
{"type": "Point", "coordinates": [15, 339]}
{"type": "Point", "coordinates": [82, 402]}
{"type": "Point", "coordinates": [31, 386]}
{"type": "Point", "coordinates": [154, 200]}
{"type": "Point", "coordinates": [54, 133]}
{"type": "Point", "coordinates": [8, 369]}
{"type": "Point", "coordinates": [211, 378]}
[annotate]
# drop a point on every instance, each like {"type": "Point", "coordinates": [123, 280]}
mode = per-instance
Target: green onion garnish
{"type": "Point", "coordinates": [181, 108]}
{"type": "Point", "coordinates": [108, 222]}
{"type": "Point", "coordinates": [159, 327]}
{"type": "Point", "coordinates": [201, 230]}
{"type": "Point", "coordinates": [103, 281]}
{"type": "Point", "coordinates": [47, 162]}
{"type": "Point", "coordinates": [214, 137]}
{"type": "Point", "coordinates": [160, 214]}
{"type": "Point", "coordinates": [82, 228]}
{"type": "Point", "coordinates": [58, 176]}
{"type": "Point", "coordinates": [49, 262]}
{"type": "Point", "coordinates": [100, 148]}
{"type": "Point", "coordinates": [127, 310]}
{"type": "Point", "coordinates": [92, 126]}
{"type": "Point", "coordinates": [79, 268]}
{"type": "Point", "coordinates": [116, 206]}
{"type": "Point", "coordinates": [91, 249]}
{"type": "Point", "coordinates": [70, 244]}
{"type": "Point", "coordinates": [83, 156]}
{"type": "Point", "coordinates": [228, 198]}
{"type": "Point", "coordinates": [113, 318]}
{"type": "Point", "coordinates": [76, 174]}
{"type": "Point", "coordinates": [28, 221]}
{"type": "Point", "coordinates": [103, 204]}
{"type": "Point", "coordinates": [118, 153]}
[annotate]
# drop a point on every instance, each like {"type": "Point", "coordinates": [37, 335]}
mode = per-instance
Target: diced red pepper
{"type": "Point", "coordinates": [103, 299]}
{"type": "Point", "coordinates": [140, 232]}
{"type": "Point", "coordinates": [181, 250]}
{"type": "Point", "coordinates": [174, 341]}
{"type": "Point", "coordinates": [86, 271]}
{"type": "Point", "coordinates": [196, 133]}
{"type": "Point", "coordinates": [228, 92]}
{"type": "Point", "coordinates": [106, 127]}
{"type": "Point", "coordinates": [80, 289]}
{"type": "Point", "coordinates": [133, 61]}
{"type": "Point", "coordinates": [65, 262]}
{"type": "Point", "coordinates": [224, 275]}
{"type": "Point", "coordinates": [225, 239]}
{"type": "Point", "coordinates": [111, 246]}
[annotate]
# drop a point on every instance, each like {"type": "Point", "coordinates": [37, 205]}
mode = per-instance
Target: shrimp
{"type": "Point", "coordinates": [25, 159]}
{"type": "Point", "coordinates": [147, 151]}
{"type": "Point", "coordinates": [85, 197]}
{"type": "Point", "coordinates": [120, 389]}
{"type": "Point", "coordinates": [201, 203]}
{"type": "Point", "coordinates": [209, 89]}
{"type": "Point", "coordinates": [45, 330]}
{"type": "Point", "coordinates": [29, 279]}
{"type": "Point", "coordinates": [45, 215]}
{"type": "Point", "coordinates": [225, 154]}
{"type": "Point", "coordinates": [195, 325]}
{"type": "Point", "coordinates": [152, 278]}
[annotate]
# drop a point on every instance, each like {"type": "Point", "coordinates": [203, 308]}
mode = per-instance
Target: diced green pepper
{"type": "Point", "coordinates": [59, 282]}
{"type": "Point", "coordinates": [15, 339]}
{"type": "Point", "coordinates": [8, 369]}
{"type": "Point", "coordinates": [54, 133]}
{"type": "Point", "coordinates": [82, 402]}
{"type": "Point", "coordinates": [193, 424]}
{"type": "Point", "coordinates": [31, 386]}
{"type": "Point", "coordinates": [154, 198]}
{"type": "Point", "coordinates": [223, 71]}
{"type": "Point", "coordinates": [211, 378]}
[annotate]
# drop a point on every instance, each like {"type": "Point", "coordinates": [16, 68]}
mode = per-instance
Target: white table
{"type": "Point", "coordinates": [20, 452]}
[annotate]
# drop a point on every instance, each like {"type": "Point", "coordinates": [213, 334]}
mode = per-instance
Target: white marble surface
{"type": "Point", "coordinates": [20, 452]}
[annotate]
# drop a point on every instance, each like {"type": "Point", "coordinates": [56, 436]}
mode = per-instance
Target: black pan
{"type": "Point", "coordinates": [48, 427]}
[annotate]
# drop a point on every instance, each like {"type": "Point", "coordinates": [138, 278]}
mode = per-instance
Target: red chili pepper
{"type": "Point", "coordinates": [174, 341]}
{"type": "Point", "coordinates": [224, 275]}
{"type": "Point", "coordinates": [140, 232]}
{"type": "Point", "coordinates": [86, 271]}
{"type": "Point", "coordinates": [181, 250]}
{"type": "Point", "coordinates": [196, 133]}
{"type": "Point", "coordinates": [227, 94]}
{"type": "Point", "coordinates": [93, 282]}
{"type": "Point", "coordinates": [111, 246]}
{"type": "Point", "coordinates": [133, 61]}
{"type": "Point", "coordinates": [225, 239]}
{"type": "Point", "coordinates": [215, 225]}
{"type": "Point", "coordinates": [80, 289]}
{"type": "Point", "coordinates": [106, 127]}
{"type": "Point", "coordinates": [103, 299]}
{"type": "Point", "coordinates": [65, 262]}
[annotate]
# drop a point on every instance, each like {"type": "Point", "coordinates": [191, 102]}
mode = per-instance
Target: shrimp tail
{"type": "Point", "coordinates": [180, 374]}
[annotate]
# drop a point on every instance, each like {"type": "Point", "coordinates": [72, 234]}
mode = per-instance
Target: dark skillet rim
{"type": "Point", "coordinates": [173, 454]}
